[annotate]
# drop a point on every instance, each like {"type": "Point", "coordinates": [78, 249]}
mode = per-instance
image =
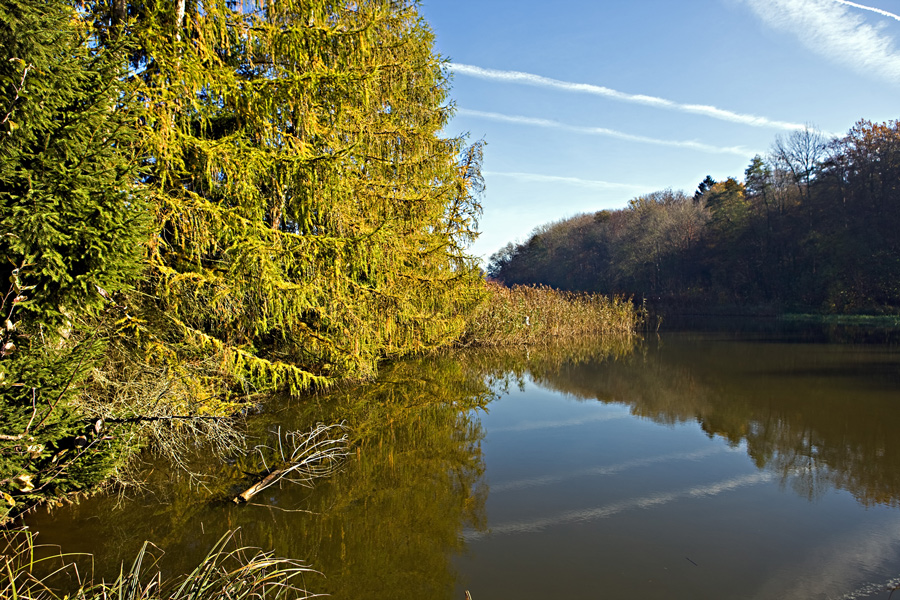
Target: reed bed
{"type": "Point", "coordinates": [228, 571]}
{"type": "Point", "coordinates": [537, 315]}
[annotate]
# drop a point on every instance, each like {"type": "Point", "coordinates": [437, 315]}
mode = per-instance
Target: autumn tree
{"type": "Point", "coordinates": [813, 226]}
{"type": "Point", "coordinates": [860, 190]}
{"type": "Point", "coordinates": [799, 156]}
{"type": "Point", "coordinates": [654, 254]}
{"type": "Point", "coordinates": [204, 201]}
{"type": "Point", "coordinates": [310, 218]}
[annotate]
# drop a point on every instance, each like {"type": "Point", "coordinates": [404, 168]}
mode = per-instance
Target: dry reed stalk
{"type": "Point", "coordinates": [534, 315]}
{"type": "Point", "coordinates": [228, 571]}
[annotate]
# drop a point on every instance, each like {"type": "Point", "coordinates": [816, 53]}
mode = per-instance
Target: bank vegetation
{"type": "Point", "coordinates": [540, 315]}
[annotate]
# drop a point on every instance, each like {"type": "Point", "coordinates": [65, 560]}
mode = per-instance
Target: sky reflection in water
{"type": "Point", "coordinates": [685, 466]}
{"type": "Point", "coordinates": [700, 464]}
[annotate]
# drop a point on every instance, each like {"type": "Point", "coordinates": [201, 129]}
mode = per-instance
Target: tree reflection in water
{"type": "Point", "coordinates": [819, 416]}
{"type": "Point", "coordinates": [393, 518]}
{"type": "Point", "coordinates": [390, 519]}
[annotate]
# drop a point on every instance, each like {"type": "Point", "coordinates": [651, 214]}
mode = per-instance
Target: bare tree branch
{"type": "Point", "coordinates": [313, 455]}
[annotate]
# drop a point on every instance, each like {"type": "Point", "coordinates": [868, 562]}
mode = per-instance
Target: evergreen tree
{"type": "Point", "coordinates": [71, 228]}
{"type": "Point", "coordinates": [297, 216]}
{"type": "Point", "coordinates": [72, 222]}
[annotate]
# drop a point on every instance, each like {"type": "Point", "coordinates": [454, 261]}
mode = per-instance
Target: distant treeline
{"type": "Point", "coordinates": [815, 224]}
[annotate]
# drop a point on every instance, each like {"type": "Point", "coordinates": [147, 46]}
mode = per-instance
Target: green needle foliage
{"type": "Point", "coordinates": [72, 225]}
{"type": "Point", "coordinates": [70, 217]}
{"type": "Point", "coordinates": [200, 202]}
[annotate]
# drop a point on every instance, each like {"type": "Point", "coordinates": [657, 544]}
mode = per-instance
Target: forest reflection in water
{"type": "Point", "coordinates": [816, 414]}
{"type": "Point", "coordinates": [412, 496]}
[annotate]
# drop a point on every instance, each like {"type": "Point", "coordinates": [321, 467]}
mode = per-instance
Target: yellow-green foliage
{"type": "Point", "coordinates": [310, 217]}
{"type": "Point", "coordinates": [538, 314]}
{"type": "Point", "coordinates": [296, 215]}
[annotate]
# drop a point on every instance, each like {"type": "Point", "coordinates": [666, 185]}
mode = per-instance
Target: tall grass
{"type": "Point", "coordinates": [534, 315]}
{"type": "Point", "coordinates": [228, 571]}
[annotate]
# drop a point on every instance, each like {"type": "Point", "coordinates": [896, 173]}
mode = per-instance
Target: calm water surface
{"type": "Point", "coordinates": [691, 465]}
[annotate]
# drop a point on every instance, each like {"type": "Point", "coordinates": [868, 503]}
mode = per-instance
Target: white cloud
{"type": "Point", "coordinates": [587, 88]}
{"type": "Point", "coordinates": [602, 131]}
{"type": "Point", "coordinates": [883, 13]}
{"type": "Point", "coordinates": [829, 28]}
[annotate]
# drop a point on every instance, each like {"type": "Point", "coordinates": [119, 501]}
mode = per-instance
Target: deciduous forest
{"type": "Point", "coordinates": [813, 226]}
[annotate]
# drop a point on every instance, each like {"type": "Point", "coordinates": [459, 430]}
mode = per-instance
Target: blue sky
{"type": "Point", "coordinates": [589, 103]}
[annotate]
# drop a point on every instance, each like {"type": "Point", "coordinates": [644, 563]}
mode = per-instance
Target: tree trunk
{"type": "Point", "coordinates": [179, 18]}
{"type": "Point", "coordinates": [120, 12]}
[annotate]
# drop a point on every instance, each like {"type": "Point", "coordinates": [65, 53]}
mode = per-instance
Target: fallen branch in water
{"type": "Point", "coordinates": [313, 455]}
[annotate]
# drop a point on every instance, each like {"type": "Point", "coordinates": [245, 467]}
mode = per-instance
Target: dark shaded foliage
{"type": "Point", "coordinates": [72, 224]}
{"type": "Point", "coordinates": [815, 225]}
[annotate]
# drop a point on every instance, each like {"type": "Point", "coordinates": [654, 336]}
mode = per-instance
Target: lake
{"type": "Point", "coordinates": [757, 462]}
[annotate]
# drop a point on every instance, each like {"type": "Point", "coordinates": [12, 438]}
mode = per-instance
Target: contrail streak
{"type": "Point", "coordinates": [531, 482]}
{"type": "Point", "coordinates": [590, 183]}
{"type": "Point", "coordinates": [609, 510]}
{"type": "Point", "coordinates": [547, 123]}
{"type": "Point", "coordinates": [883, 13]}
{"type": "Point", "coordinates": [597, 90]}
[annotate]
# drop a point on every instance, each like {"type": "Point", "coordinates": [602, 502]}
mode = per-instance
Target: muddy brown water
{"type": "Point", "coordinates": [728, 463]}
